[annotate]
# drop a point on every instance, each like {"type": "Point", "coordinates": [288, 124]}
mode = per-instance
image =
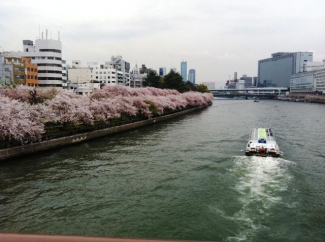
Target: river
{"type": "Point", "coordinates": [186, 178]}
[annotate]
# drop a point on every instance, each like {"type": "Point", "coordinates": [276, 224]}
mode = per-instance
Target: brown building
{"type": "Point", "coordinates": [31, 74]}
{"type": "Point", "coordinates": [15, 69]}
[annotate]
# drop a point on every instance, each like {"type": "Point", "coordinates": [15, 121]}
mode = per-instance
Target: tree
{"type": "Point", "coordinates": [173, 80]}
{"type": "Point", "coordinates": [202, 88]}
{"type": "Point", "coordinates": [190, 86]}
{"type": "Point", "coordinates": [152, 80]}
{"type": "Point", "coordinates": [26, 113]}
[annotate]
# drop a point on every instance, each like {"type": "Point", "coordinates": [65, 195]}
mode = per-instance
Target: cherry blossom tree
{"type": "Point", "coordinates": [25, 112]}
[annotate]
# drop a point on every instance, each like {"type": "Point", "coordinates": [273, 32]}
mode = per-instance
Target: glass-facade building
{"type": "Point", "coordinates": [276, 71]}
{"type": "Point", "coordinates": [184, 70]}
{"type": "Point", "coordinates": [191, 75]}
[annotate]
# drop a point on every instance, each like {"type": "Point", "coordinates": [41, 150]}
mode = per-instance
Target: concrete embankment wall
{"type": "Point", "coordinates": [46, 145]}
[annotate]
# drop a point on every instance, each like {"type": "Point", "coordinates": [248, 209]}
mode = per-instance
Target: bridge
{"type": "Point", "coordinates": [258, 92]}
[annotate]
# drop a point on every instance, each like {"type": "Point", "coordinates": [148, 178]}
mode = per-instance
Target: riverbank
{"type": "Point", "coordinates": [73, 139]}
{"type": "Point", "coordinates": [303, 98]}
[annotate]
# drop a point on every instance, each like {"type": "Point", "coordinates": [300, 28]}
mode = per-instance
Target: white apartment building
{"type": "Point", "coordinates": [105, 74]}
{"type": "Point", "coordinates": [47, 54]}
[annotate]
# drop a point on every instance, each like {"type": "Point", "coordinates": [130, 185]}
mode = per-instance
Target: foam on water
{"type": "Point", "coordinates": [260, 183]}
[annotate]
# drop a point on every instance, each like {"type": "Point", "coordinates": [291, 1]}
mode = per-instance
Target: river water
{"type": "Point", "coordinates": [186, 178]}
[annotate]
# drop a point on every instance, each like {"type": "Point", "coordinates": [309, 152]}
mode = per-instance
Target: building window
{"type": "Point", "coordinates": [50, 50]}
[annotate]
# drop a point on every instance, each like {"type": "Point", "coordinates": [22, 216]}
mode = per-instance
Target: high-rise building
{"type": "Point", "coordinates": [276, 71]}
{"type": "Point", "coordinates": [191, 75]}
{"type": "Point", "coordinates": [162, 71]}
{"type": "Point", "coordinates": [184, 70]}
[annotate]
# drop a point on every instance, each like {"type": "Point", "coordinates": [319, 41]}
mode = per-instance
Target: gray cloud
{"type": "Point", "coordinates": [215, 37]}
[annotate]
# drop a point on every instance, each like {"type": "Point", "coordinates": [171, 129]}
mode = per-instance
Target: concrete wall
{"type": "Point", "coordinates": [46, 145]}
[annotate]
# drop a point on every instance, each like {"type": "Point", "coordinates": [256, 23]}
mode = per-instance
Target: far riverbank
{"type": "Point", "coordinates": [303, 98]}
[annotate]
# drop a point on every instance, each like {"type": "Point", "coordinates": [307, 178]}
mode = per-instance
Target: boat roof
{"type": "Point", "coordinates": [262, 135]}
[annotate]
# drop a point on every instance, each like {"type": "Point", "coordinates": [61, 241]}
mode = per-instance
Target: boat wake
{"type": "Point", "coordinates": [260, 187]}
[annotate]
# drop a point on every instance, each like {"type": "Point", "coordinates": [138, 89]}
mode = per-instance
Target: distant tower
{"type": "Point", "coordinates": [235, 76]}
{"type": "Point", "coordinates": [191, 75]}
{"type": "Point", "coordinates": [184, 70]}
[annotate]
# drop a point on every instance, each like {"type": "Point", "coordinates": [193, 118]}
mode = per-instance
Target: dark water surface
{"type": "Point", "coordinates": [186, 178]}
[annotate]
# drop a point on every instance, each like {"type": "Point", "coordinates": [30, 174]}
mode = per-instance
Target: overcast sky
{"type": "Point", "coordinates": [215, 37]}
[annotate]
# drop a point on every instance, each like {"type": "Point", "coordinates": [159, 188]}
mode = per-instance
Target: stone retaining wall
{"type": "Point", "coordinates": [46, 145]}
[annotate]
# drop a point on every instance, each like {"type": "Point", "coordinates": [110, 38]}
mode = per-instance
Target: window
{"type": "Point", "coordinates": [52, 65]}
{"type": "Point", "coordinates": [50, 50]}
{"type": "Point", "coordinates": [96, 77]}
{"type": "Point", "coordinates": [57, 72]}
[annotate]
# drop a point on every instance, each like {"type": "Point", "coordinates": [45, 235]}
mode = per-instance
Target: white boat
{"type": "Point", "coordinates": [262, 143]}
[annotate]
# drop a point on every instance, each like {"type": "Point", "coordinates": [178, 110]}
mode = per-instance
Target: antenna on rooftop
{"type": "Point", "coordinates": [42, 35]}
{"type": "Point", "coordinates": [46, 33]}
{"type": "Point", "coordinates": [58, 35]}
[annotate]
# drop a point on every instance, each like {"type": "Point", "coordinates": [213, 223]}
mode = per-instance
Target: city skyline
{"type": "Point", "coordinates": [163, 35]}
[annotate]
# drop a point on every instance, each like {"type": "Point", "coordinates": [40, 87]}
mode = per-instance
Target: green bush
{"type": "Point", "coordinates": [152, 107]}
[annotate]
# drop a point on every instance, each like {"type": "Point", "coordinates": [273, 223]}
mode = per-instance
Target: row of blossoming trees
{"type": "Point", "coordinates": [26, 113]}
